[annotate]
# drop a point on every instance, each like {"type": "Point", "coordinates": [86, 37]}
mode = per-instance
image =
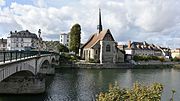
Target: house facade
{"type": "Point", "coordinates": [22, 40]}
{"type": "Point", "coordinates": [3, 44]}
{"type": "Point", "coordinates": [101, 47]}
{"type": "Point", "coordinates": [146, 49]}
{"type": "Point", "coordinates": [175, 53]}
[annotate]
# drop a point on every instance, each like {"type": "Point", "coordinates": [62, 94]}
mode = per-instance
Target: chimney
{"type": "Point", "coordinates": [129, 44]}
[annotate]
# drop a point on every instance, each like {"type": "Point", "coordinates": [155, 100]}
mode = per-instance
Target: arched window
{"type": "Point", "coordinates": [108, 48]}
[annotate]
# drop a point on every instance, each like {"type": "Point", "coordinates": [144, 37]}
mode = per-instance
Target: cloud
{"type": "Point", "coordinates": [2, 2]}
{"type": "Point", "coordinates": [7, 22]}
{"type": "Point", "coordinates": [51, 20]}
{"type": "Point", "coordinates": [155, 21]}
{"type": "Point", "coordinates": [153, 15]}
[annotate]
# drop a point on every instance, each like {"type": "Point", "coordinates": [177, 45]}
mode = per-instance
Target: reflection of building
{"type": "Point", "coordinates": [146, 49]}
{"type": "Point", "coordinates": [22, 40]}
{"type": "Point", "coordinates": [175, 53]}
{"type": "Point", "coordinates": [102, 47]}
{"type": "Point", "coordinates": [3, 44]}
{"type": "Point", "coordinates": [64, 39]}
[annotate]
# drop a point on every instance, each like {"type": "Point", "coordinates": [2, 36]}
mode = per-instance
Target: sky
{"type": "Point", "coordinates": [154, 21]}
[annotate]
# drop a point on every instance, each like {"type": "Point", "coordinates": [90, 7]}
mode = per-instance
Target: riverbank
{"type": "Point", "coordinates": [118, 65]}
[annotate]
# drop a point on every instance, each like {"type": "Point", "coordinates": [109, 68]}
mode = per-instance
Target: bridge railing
{"type": "Point", "coordinates": [15, 55]}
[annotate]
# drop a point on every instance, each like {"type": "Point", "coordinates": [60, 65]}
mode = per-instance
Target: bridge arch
{"type": "Point", "coordinates": [19, 74]}
{"type": "Point", "coordinates": [45, 64]}
{"type": "Point", "coordinates": [12, 69]}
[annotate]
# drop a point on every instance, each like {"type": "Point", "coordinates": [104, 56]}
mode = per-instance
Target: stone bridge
{"type": "Point", "coordinates": [26, 75]}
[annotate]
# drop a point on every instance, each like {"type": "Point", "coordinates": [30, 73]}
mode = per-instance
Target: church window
{"type": "Point", "coordinates": [108, 48]}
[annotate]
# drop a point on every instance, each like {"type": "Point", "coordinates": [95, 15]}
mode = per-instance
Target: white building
{"type": "Point", "coordinates": [22, 40]}
{"type": "Point", "coordinates": [145, 49]}
{"type": "Point", "coordinates": [3, 44]}
{"type": "Point", "coordinates": [64, 39]}
{"type": "Point", "coordinates": [175, 53]}
{"type": "Point", "coordinates": [142, 49]}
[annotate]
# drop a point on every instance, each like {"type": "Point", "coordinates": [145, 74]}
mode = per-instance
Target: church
{"type": "Point", "coordinates": [101, 47]}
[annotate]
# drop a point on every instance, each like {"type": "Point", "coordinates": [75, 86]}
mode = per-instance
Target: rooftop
{"type": "Point", "coordinates": [22, 34]}
{"type": "Point", "coordinates": [96, 38]}
{"type": "Point", "coordinates": [3, 41]}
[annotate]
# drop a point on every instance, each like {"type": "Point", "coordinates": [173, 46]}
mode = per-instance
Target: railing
{"type": "Point", "coordinates": [15, 55]}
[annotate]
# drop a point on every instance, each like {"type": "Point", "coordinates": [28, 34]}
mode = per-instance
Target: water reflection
{"type": "Point", "coordinates": [84, 84]}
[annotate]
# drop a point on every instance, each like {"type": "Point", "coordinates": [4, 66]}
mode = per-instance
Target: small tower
{"type": "Point", "coordinates": [99, 27]}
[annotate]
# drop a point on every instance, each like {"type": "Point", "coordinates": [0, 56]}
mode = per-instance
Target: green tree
{"type": "Point", "coordinates": [75, 38]}
{"type": "Point", "coordinates": [138, 92]}
{"type": "Point", "coordinates": [62, 48]}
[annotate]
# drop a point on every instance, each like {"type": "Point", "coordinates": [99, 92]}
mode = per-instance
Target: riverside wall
{"type": "Point", "coordinates": [116, 66]}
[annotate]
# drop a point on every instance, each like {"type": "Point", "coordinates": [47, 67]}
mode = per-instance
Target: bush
{"type": "Point", "coordinates": [176, 59]}
{"type": "Point", "coordinates": [67, 58]}
{"type": "Point", "coordinates": [162, 59]}
{"type": "Point", "coordinates": [137, 93]}
{"type": "Point", "coordinates": [62, 48]}
{"type": "Point", "coordinates": [147, 58]}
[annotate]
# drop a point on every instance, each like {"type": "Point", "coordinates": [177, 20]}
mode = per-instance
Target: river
{"type": "Point", "coordinates": [84, 84]}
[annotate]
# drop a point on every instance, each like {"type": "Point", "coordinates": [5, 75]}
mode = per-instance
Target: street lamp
{"type": "Point", "coordinates": [39, 41]}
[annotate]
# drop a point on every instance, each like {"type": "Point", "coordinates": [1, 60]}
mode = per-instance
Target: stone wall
{"type": "Point", "coordinates": [22, 85]}
{"type": "Point", "coordinates": [108, 56]}
{"type": "Point", "coordinates": [118, 66]}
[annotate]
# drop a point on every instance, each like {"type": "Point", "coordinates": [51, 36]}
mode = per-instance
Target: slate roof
{"type": "Point", "coordinates": [22, 34]}
{"type": "Point", "coordinates": [143, 45]}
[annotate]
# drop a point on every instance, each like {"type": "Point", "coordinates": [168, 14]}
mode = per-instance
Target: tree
{"type": "Point", "coordinates": [138, 92]}
{"type": "Point", "coordinates": [75, 38]}
{"type": "Point", "coordinates": [62, 48]}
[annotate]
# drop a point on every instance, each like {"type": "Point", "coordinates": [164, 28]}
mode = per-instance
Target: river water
{"type": "Point", "coordinates": [84, 84]}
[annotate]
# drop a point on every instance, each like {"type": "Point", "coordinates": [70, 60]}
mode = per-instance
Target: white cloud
{"type": "Point", "coordinates": [2, 2]}
{"type": "Point", "coordinates": [153, 15]}
{"type": "Point", "coordinates": [138, 20]}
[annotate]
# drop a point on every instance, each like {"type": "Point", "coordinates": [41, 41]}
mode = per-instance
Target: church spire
{"type": "Point", "coordinates": [99, 27]}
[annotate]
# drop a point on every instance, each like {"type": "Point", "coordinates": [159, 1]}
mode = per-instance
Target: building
{"type": "Point", "coordinates": [142, 49]}
{"type": "Point", "coordinates": [165, 51]}
{"type": "Point", "coordinates": [3, 44]}
{"type": "Point", "coordinates": [22, 40]}
{"type": "Point", "coordinates": [146, 49]}
{"type": "Point", "coordinates": [101, 47]}
{"type": "Point", "coordinates": [64, 39]}
{"type": "Point", "coordinates": [175, 53]}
